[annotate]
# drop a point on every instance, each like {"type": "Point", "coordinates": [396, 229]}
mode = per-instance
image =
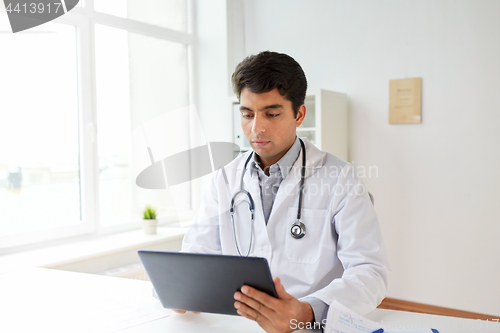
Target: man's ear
{"type": "Point", "coordinates": [300, 115]}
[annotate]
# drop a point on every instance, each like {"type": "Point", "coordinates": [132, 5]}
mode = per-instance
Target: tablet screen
{"type": "Point", "coordinates": [204, 282]}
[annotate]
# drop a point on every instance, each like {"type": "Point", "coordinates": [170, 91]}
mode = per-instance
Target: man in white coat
{"type": "Point", "coordinates": [340, 256]}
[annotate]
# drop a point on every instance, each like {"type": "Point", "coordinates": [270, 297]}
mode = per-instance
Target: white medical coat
{"type": "Point", "coordinates": [341, 257]}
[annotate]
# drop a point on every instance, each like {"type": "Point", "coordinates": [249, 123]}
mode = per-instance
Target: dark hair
{"type": "Point", "coordinates": [269, 70]}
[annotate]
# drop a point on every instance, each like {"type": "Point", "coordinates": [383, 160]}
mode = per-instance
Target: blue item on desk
{"type": "Point", "coordinates": [381, 330]}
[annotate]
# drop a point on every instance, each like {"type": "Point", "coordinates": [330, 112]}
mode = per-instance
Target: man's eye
{"type": "Point", "coordinates": [273, 115]}
{"type": "Point", "coordinates": [246, 116]}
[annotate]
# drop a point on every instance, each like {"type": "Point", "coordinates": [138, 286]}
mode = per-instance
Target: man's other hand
{"type": "Point", "coordinates": [183, 311]}
{"type": "Point", "coordinates": [272, 314]}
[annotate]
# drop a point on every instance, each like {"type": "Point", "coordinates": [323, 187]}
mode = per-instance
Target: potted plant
{"type": "Point", "coordinates": [149, 222]}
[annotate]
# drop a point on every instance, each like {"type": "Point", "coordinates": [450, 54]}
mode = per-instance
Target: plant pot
{"type": "Point", "coordinates": [149, 226]}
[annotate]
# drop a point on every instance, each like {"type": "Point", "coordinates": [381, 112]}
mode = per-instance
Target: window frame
{"type": "Point", "coordinates": [84, 18]}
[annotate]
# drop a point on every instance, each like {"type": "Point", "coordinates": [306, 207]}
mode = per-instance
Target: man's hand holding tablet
{"type": "Point", "coordinates": [272, 314]}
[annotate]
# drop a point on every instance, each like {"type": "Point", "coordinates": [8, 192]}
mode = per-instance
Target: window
{"type": "Point", "coordinates": [170, 14]}
{"type": "Point", "coordinates": [74, 93]}
{"type": "Point", "coordinates": [39, 140]}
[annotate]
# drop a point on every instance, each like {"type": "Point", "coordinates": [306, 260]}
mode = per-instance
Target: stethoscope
{"type": "Point", "coordinates": [297, 229]}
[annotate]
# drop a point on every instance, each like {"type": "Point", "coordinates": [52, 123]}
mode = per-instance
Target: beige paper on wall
{"type": "Point", "coordinates": [405, 101]}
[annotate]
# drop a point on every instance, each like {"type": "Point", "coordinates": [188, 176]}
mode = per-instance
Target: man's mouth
{"type": "Point", "coordinates": [260, 143]}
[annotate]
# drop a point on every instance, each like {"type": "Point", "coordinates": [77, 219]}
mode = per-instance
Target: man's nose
{"type": "Point", "coordinates": [258, 125]}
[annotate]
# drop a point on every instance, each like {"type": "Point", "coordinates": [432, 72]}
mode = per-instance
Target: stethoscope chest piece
{"type": "Point", "coordinates": [298, 230]}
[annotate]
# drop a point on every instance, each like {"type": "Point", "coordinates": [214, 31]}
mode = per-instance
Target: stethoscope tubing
{"type": "Point", "coordinates": [298, 225]}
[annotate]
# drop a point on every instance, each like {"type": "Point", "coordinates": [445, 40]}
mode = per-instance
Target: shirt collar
{"type": "Point", "coordinates": [284, 164]}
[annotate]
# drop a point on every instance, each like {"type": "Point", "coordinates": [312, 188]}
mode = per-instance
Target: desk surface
{"type": "Point", "coordinates": [38, 300]}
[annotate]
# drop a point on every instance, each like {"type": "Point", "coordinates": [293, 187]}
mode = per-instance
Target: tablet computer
{"type": "Point", "coordinates": [204, 282]}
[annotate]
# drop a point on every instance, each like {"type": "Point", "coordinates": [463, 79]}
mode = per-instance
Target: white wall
{"type": "Point", "coordinates": [438, 188]}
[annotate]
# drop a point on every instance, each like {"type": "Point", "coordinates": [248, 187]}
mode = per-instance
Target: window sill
{"type": "Point", "coordinates": [55, 256]}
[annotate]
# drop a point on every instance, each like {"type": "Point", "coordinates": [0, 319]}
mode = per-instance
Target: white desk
{"type": "Point", "coordinates": [41, 300]}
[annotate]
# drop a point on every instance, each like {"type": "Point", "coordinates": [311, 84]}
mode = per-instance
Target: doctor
{"type": "Point", "coordinates": [326, 247]}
